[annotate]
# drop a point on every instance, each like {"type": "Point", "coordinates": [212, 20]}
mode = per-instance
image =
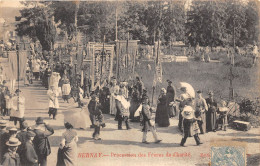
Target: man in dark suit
{"type": "Point", "coordinates": [4, 135]}
{"type": "Point", "coordinates": [41, 142]}
{"type": "Point", "coordinates": [11, 158]}
{"type": "Point", "coordinates": [170, 95]}
{"type": "Point", "coordinates": [29, 156]}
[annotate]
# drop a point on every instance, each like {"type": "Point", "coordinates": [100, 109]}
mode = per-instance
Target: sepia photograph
{"type": "Point", "coordinates": [129, 83]}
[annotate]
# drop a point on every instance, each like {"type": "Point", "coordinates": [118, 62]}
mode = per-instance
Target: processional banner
{"type": "Point", "coordinates": [127, 51]}
{"type": "Point", "coordinates": [13, 64]}
{"type": "Point", "coordinates": [102, 63]}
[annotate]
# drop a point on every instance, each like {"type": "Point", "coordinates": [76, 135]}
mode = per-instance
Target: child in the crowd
{"type": "Point", "coordinates": [223, 111]}
{"type": "Point", "coordinates": [96, 115]}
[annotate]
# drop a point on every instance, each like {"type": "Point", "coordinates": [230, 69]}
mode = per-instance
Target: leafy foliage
{"type": "Point", "coordinates": [36, 22]}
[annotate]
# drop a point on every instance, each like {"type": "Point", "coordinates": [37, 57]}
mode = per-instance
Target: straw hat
{"type": "Point", "coordinates": [13, 142]}
{"type": "Point", "coordinates": [3, 123]}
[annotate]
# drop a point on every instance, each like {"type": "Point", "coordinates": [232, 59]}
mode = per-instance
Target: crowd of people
{"type": "Point", "coordinates": [127, 101]}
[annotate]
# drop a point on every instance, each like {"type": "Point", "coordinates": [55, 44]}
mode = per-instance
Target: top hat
{"type": "Point", "coordinates": [39, 120]}
{"type": "Point", "coordinates": [4, 81]}
{"type": "Point", "coordinates": [13, 142]}
{"type": "Point", "coordinates": [169, 81]}
{"type": "Point", "coordinates": [17, 90]}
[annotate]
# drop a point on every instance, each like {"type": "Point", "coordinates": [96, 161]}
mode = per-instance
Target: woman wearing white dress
{"type": "Point", "coordinates": [18, 107]}
{"type": "Point", "coordinates": [53, 94]}
{"type": "Point", "coordinates": [65, 89]}
{"type": "Point", "coordinates": [114, 90]}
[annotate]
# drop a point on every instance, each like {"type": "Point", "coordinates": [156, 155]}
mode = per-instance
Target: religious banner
{"type": "Point", "coordinates": [102, 63]}
{"type": "Point", "coordinates": [127, 50]}
{"type": "Point", "coordinates": [13, 64]}
{"type": "Point", "coordinates": [158, 67]}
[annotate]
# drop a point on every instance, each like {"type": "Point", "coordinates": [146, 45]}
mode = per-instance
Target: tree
{"type": "Point", "coordinates": [38, 24]}
{"type": "Point", "coordinates": [206, 24]}
{"type": "Point", "coordinates": [252, 22]}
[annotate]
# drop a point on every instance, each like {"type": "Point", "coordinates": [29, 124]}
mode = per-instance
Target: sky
{"type": "Point", "coordinates": [10, 3]}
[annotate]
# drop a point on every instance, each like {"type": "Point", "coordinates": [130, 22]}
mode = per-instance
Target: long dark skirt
{"type": "Point", "coordinates": [133, 107]}
{"type": "Point", "coordinates": [68, 155]}
{"type": "Point", "coordinates": [211, 120]}
{"type": "Point", "coordinates": [162, 116]}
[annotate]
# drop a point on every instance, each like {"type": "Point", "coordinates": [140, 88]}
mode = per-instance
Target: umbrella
{"type": "Point", "coordinates": [189, 89]}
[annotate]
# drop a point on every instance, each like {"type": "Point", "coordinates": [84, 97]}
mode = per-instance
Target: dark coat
{"type": "Point", "coordinates": [29, 156]}
{"type": "Point", "coordinates": [10, 159]}
{"type": "Point", "coordinates": [170, 94]}
{"type": "Point", "coordinates": [211, 115]}
{"type": "Point", "coordinates": [41, 141]}
{"type": "Point", "coordinates": [4, 136]}
{"type": "Point", "coordinates": [22, 136]}
{"type": "Point", "coordinates": [145, 117]}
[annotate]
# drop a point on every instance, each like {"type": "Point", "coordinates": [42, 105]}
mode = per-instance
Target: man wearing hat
{"type": "Point", "coordinates": [190, 126]}
{"type": "Point", "coordinates": [211, 115]}
{"type": "Point", "coordinates": [22, 134]}
{"type": "Point", "coordinates": [29, 156]}
{"type": "Point", "coordinates": [41, 141]}
{"type": "Point", "coordinates": [95, 116]}
{"type": "Point", "coordinates": [4, 136]}
{"type": "Point", "coordinates": [12, 132]}
{"type": "Point", "coordinates": [170, 95]}
{"type": "Point", "coordinates": [11, 158]}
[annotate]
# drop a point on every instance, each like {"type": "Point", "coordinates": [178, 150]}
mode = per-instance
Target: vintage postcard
{"type": "Point", "coordinates": [119, 82]}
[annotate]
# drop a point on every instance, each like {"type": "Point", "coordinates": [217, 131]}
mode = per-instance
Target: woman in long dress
{"type": "Point", "coordinates": [67, 153]}
{"type": "Point", "coordinates": [162, 116]}
{"type": "Point", "coordinates": [134, 104]}
{"type": "Point", "coordinates": [201, 109]}
{"type": "Point", "coordinates": [211, 115]}
{"type": "Point", "coordinates": [114, 90]}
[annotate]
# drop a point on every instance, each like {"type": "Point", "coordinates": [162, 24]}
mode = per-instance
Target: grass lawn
{"type": "Point", "coordinates": [203, 76]}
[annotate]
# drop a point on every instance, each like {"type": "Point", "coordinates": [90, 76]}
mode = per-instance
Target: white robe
{"type": "Point", "coordinates": [53, 98]}
{"type": "Point", "coordinates": [18, 106]}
